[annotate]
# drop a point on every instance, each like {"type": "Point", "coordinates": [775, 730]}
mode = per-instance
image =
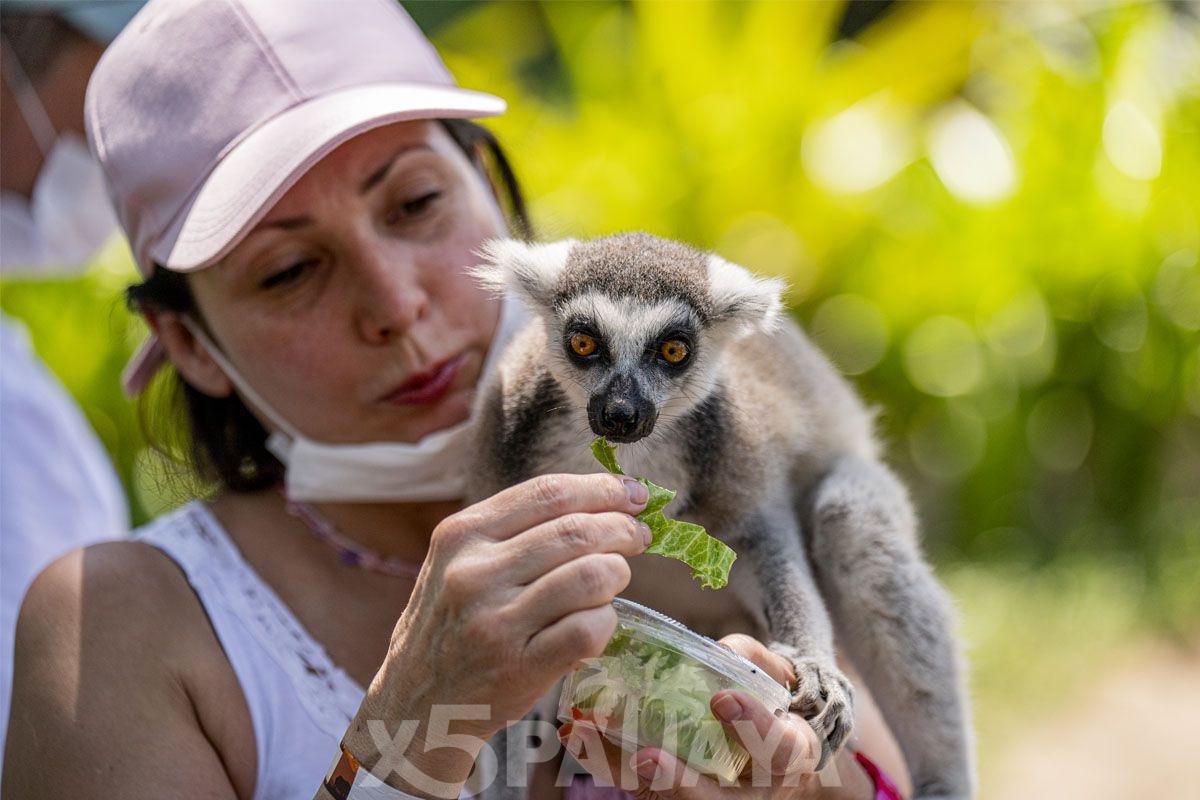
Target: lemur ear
{"type": "Point", "coordinates": [530, 270]}
{"type": "Point", "coordinates": [742, 299]}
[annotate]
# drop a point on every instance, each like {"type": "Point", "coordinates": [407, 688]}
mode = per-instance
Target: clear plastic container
{"type": "Point", "coordinates": [652, 685]}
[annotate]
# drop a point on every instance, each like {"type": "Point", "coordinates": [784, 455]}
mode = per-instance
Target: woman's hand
{"type": "Point", "coordinates": [514, 593]}
{"type": "Point", "coordinates": [783, 750]}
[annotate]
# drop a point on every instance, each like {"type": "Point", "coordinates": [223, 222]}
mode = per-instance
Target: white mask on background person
{"type": "Point", "coordinates": [431, 470]}
{"type": "Point", "coordinates": [68, 216]}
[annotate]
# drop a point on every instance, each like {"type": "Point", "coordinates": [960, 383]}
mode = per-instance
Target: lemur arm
{"type": "Point", "coordinates": [798, 623]}
{"type": "Point", "coordinates": [893, 619]}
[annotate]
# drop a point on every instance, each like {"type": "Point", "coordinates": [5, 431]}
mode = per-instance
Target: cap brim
{"type": "Point", "coordinates": [249, 179]}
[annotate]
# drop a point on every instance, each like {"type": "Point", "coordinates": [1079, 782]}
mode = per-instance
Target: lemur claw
{"type": "Point", "coordinates": [824, 697]}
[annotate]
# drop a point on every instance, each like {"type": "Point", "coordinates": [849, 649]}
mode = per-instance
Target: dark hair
{"type": "Point", "coordinates": [225, 443]}
{"type": "Point", "coordinates": [37, 38]}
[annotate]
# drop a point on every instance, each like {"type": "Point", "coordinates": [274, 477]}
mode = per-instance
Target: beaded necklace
{"type": "Point", "coordinates": [349, 551]}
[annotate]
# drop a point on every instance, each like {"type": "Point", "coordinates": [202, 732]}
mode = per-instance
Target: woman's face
{"type": "Point", "coordinates": [355, 284]}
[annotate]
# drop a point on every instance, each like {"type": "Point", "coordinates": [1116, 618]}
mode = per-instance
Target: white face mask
{"type": "Point", "coordinates": [69, 215]}
{"type": "Point", "coordinates": [431, 470]}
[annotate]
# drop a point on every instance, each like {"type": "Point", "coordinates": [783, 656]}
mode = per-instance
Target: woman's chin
{"type": "Point", "coordinates": [453, 409]}
{"type": "Point", "coordinates": [420, 421]}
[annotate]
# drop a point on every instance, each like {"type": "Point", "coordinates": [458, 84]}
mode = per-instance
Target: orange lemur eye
{"type": "Point", "coordinates": [583, 344]}
{"type": "Point", "coordinates": [674, 351]}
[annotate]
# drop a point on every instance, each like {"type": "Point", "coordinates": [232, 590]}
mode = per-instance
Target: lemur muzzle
{"type": "Point", "coordinates": [620, 412]}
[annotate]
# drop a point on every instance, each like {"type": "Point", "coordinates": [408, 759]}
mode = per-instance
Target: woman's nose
{"type": "Point", "coordinates": [390, 298]}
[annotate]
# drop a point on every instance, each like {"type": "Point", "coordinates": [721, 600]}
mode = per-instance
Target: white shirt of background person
{"type": "Point", "coordinates": [58, 488]}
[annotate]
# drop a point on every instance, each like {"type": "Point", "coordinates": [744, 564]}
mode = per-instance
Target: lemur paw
{"type": "Point", "coordinates": [824, 697]}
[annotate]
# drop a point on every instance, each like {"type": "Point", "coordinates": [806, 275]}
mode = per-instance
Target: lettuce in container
{"type": "Point", "coordinates": [652, 685]}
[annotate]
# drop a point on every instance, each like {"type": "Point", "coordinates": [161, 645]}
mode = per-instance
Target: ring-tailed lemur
{"type": "Point", "coordinates": [690, 361]}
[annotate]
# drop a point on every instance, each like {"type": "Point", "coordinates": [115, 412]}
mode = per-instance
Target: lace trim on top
{"type": "Point", "coordinates": [216, 568]}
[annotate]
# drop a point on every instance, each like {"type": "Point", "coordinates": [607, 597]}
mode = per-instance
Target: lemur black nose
{"type": "Point", "coordinates": [621, 415]}
{"type": "Point", "coordinates": [618, 419]}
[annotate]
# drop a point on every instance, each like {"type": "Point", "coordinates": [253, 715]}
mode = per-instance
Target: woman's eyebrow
{"type": "Point", "coordinates": [378, 175]}
{"type": "Point", "coordinates": [373, 180]}
{"type": "Point", "coordinates": [287, 224]}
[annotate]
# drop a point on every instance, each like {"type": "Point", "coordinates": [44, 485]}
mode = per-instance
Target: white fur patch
{"type": "Point", "coordinates": [529, 270]}
{"type": "Point", "coordinates": [750, 302]}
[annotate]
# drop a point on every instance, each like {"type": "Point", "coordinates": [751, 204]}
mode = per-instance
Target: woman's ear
{"type": "Point", "coordinates": [188, 354]}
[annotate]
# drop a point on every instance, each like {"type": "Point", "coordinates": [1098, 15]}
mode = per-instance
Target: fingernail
{"type": "Point", "coordinates": [636, 491]}
{"type": "Point", "coordinates": [564, 731]}
{"type": "Point", "coordinates": [646, 768]}
{"type": "Point", "coordinates": [728, 708]}
{"type": "Point", "coordinates": [647, 534]}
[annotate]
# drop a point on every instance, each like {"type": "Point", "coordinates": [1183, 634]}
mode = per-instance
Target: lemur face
{"type": "Point", "coordinates": [631, 359]}
{"type": "Point", "coordinates": [635, 325]}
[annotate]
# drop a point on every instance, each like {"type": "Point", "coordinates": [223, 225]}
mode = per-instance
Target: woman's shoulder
{"type": "Point", "coordinates": [115, 632]}
{"type": "Point", "coordinates": [112, 603]}
{"type": "Point", "coordinates": [128, 580]}
{"type": "Point", "coordinates": [121, 597]}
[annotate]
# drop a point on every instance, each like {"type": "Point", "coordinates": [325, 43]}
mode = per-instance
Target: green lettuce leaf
{"type": "Point", "coordinates": [709, 558]}
{"type": "Point", "coordinates": [664, 692]}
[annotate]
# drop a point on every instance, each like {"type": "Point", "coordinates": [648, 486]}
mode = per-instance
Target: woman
{"type": "Point", "coordinates": [302, 198]}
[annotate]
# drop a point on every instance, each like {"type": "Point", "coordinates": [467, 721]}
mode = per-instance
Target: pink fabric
{"type": "Point", "coordinates": [186, 109]}
{"type": "Point", "coordinates": [142, 366]}
{"type": "Point", "coordinates": [885, 789]}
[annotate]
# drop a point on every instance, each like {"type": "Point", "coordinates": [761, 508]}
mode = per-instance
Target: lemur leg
{"type": "Point", "coordinates": [799, 625]}
{"type": "Point", "coordinates": [894, 620]}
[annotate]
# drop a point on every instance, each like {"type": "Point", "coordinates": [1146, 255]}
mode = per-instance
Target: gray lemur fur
{"type": "Point", "coordinates": [769, 449]}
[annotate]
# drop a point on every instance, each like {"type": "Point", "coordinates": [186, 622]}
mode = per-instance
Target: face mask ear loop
{"type": "Point", "coordinates": [32, 108]}
{"type": "Point", "coordinates": [242, 386]}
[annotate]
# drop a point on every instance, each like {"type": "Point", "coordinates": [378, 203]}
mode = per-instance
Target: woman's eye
{"type": "Point", "coordinates": [412, 208]}
{"type": "Point", "coordinates": [288, 274]}
{"type": "Point", "coordinates": [673, 351]}
{"type": "Point", "coordinates": [582, 344]}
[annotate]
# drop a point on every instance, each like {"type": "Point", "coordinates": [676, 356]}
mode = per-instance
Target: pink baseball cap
{"type": "Point", "coordinates": [202, 114]}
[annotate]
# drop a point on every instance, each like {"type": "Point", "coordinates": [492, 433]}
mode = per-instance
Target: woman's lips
{"type": "Point", "coordinates": [430, 386]}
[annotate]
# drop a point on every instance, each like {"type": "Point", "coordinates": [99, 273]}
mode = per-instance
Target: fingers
{"type": "Point", "coordinates": [547, 497]}
{"type": "Point", "coordinates": [535, 552]}
{"type": "Point", "coordinates": [670, 778]}
{"type": "Point", "coordinates": [651, 771]}
{"type": "Point", "coordinates": [767, 659]}
{"type": "Point", "coordinates": [782, 745]}
{"type": "Point", "coordinates": [779, 745]}
{"type": "Point", "coordinates": [585, 582]}
{"type": "Point", "coordinates": [578, 635]}
{"type": "Point", "coordinates": [606, 762]}
{"type": "Point", "coordinates": [646, 773]}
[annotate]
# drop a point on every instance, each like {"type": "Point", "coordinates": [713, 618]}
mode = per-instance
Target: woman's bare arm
{"type": "Point", "coordinates": [113, 654]}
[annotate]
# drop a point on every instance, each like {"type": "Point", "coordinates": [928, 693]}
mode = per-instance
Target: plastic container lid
{"type": "Point", "coordinates": [670, 633]}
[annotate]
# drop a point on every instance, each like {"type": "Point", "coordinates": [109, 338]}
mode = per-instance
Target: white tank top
{"type": "Point", "coordinates": [300, 702]}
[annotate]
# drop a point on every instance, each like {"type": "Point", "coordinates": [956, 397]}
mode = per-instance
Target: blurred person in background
{"type": "Point", "coordinates": [304, 196]}
{"type": "Point", "coordinates": [58, 489]}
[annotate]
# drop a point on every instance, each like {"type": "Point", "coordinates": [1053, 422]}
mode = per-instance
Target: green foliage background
{"type": "Point", "coordinates": [1035, 355]}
